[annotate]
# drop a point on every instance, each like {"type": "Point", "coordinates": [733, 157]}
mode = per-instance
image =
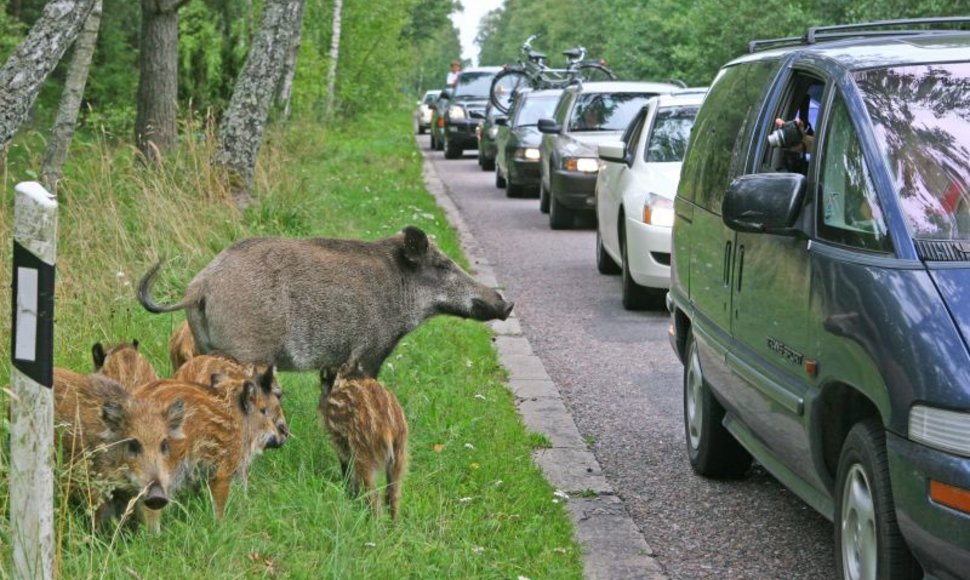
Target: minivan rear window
{"type": "Point", "coordinates": [921, 118]}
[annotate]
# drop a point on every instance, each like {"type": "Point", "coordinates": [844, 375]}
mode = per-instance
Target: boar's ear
{"type": "Point", "coordinates": [174, 417]}
{"type": "Point", "coordinates": [415, 244]}
{"type": "Point", "coordinates": [113, 415]}
{"type": "Point", "coordinates": [266, 379]}
{"type": "Point", "coordinates": [247, 398]}
{"type": "Point", "coordinates": [215, 379]}
{"type": "Point", "coordinates": [97, 353]}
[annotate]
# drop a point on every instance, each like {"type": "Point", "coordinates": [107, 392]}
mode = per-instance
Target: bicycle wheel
{"type": "Point", "coordinates": [505, 84]}
{"type": "Point", "coordinates": [589, 72]}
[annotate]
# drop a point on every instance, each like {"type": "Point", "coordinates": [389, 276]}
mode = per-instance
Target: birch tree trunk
{"type": "Point", "coordinates": [155, 120]}
{"type": "Point", "coordinates": [334, 56]}
{"type": "Point", "coordinates": [242, 127]}
{"type": "Point", "coordinates": [285, 94]}
{"type": "Point", "coordinates": [77, 77]}
{"type": "Point", "coordinates": [28, 67]}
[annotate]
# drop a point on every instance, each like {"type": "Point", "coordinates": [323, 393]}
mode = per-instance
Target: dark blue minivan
{"type": "Point", "coordinates": [820, 291]}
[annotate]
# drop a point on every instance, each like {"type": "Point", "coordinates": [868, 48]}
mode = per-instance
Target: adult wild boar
{"type": "Point", "coordinates": [313, 304]}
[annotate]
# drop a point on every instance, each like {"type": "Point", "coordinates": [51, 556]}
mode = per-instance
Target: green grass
{"type": "Point", "coordinates": [473, 503]}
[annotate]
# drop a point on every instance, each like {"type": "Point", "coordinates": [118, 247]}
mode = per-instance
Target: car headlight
{"type": "Point", "coordinates": [658, 211]}
{"type": "Point", "coordinates": [492, 132]}
{"type": "Point", "coordinates": [527, 153]}
{"type": "Point", "coordinates": [456, 112]}
{"type": "Point", "coordinates": [581, 164]}
{"type": "Point", "coordinates": [941, 429]}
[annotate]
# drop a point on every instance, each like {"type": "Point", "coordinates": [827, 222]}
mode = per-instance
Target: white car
{"type": "Point", "coordinates": [422, 114]}
{"type": "Point", "coordinates": [635, 192]}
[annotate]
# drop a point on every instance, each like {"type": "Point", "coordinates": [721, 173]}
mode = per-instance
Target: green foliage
{"type": "Point", "coordinates": [666, 39]}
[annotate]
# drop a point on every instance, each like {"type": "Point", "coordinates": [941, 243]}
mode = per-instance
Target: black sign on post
{"type": "Point", "coordinates": [32, 340]}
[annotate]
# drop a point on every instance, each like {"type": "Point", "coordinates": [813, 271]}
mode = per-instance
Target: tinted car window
{"type": "Point", "coordinates": [851, 214]}
{"type": "Point", "coordinates": [670, 134]}
{"type": "Point", "coordinates": [719, 133]}
{"type": "Point", "coordinates": [921, 117]}
{"type": "Point", "coordinates": [531, 110]}
{"type": "Point", "coordinates": [474, 84]}
{"type": "Point", "coordinates": [430, 98]}
{"type": "Point", "coordinates": [606, 111]}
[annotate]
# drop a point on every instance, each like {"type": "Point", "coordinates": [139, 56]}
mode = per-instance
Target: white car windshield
{"type": "Point", "coordinates": [921, 117]}
{"type": "Point", "coordinates": [474, 85]}
{"type": "Point", "coordinates": [606, 111]}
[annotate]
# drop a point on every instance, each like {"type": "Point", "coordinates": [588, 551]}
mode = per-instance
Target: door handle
{"type": "Point", "coordinates": [740, 266]}
{"type": "Point", "coordinates": [726, 273]}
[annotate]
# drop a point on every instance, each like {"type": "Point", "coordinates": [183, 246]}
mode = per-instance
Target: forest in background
{"type": "Point", "coordinates": [675, 39]}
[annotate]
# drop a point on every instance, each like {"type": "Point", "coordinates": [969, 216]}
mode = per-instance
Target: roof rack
{"type": "Point", "coordinates": [817, 34]}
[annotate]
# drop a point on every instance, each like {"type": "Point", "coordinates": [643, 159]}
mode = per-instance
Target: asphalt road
{"type": "Point", "coordinates": [623, 384]}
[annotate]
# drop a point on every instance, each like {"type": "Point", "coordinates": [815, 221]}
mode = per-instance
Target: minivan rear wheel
{"type": "Point", "coordinates": [867, 537]}
{"type": "Point", "coordinates": [712, 450]}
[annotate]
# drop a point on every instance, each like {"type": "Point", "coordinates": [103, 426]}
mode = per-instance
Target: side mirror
{"type": "Point", "coordinates": [764, 203]}
{"type": "Point", "coordinates": [502, 121]}
{"type": "Point", "coordinates": [614, 151]}
{"type": "Point", "coordinates": [549, 126]}
{"type": "Point", "coordinates": [445, 94]}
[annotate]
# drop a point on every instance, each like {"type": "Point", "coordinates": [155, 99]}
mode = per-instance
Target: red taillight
{"type": "Point", "coordinates": [441, 121]}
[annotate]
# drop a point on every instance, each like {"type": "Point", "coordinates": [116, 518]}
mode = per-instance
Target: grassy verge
{"type": "Point", "coordinates": [473, 503]}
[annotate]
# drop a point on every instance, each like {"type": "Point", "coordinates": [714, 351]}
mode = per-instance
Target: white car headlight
{"type": "Point", "coordinates": [658, 211]}
{"type": "Point", "coordinates": [941, 429]}
{"type": "Point", "coordinates": [456, 112]}
{"type": "Point", "coordinates": [581, 164]}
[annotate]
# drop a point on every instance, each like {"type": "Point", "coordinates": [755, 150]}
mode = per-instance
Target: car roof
{"type": "Point", "coordinates": [693, 96]}
{"type": "Point", "coordinates": [858, 53]}
{"type": "Point", "coordinates": [623, 87]}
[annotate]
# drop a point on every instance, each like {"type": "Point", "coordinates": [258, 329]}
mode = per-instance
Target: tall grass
{"type": "Point", "coordinates": [473, 503]}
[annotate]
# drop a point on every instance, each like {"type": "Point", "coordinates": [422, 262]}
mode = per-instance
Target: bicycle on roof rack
{"type": "Point", "coordinates": [533, 73]}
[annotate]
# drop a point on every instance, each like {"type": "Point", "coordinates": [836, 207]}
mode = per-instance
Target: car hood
{"type": "Point", "coordinates": [585, 144]}
{"type": "Point", "coordinates": [954, 286]}
{"type": "Point", "coordinates": [525, 136]}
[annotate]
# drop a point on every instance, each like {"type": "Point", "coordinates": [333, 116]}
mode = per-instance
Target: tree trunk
{"type": "Point", "coordinates": [285, 94]}
{"type": "Point", "coordinates": [77, 77]}
{"type": "Point", "coordinates": [334, 56]}
{"type": "Point", "coordinates": [28, 67]}
{"type": "Point", "coordinates": [155, 120]}
{"type": "Point", "coordinates": [242, 127]}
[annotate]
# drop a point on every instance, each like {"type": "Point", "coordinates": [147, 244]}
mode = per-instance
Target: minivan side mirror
{"type": "Point", "coordinates": [549, 126]}
{"type": "Point", "coordinates": [445, 94]}
{"type": "Point", "coordinates": [614, 151]}
{"type": "Point", "coordinates": [764, 203]}
{"type": "Point", "coordinates": [502, 121]}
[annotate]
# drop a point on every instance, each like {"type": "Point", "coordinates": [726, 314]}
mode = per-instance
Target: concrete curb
{"type": "Point", "coordinates": [613, 546]}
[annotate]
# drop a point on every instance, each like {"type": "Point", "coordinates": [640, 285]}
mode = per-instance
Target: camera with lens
{"type": "Point", "coordinates": [788, 135]}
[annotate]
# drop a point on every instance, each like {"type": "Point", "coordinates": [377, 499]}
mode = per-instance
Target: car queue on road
{"type": "Point", "coordinates": [816, 244]}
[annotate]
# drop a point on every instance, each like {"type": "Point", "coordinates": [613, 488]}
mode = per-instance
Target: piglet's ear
{"type": "Point", "coordinates": [415, 244]}
{"type": "Point", "coordinates": [215, 379]}
{"type": "Point", "coordinates": [266, 379]}
{"type": "Point", "coordinates": [97, 353]}
{"type": "Point", "coordinates": [113, 415]}
{"type": "Point", "coordinates": [247, 398]}
{"type": "Point", "coordinates": [134, 343]}
{"type": "Point", "coordinates": [174, 417]}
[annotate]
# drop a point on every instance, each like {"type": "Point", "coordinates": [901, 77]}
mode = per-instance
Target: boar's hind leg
{"type": "Point", "coordinates": [366, 477]}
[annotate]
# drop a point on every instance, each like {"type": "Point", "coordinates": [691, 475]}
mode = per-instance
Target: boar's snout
{"type": "Point", "coordinates": [499, 308]}
{"type": "Point", "coordinates": [156, 498]}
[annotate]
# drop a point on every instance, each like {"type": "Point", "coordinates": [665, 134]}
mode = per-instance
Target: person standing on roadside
{"type": "Point", "coordinates": [453, 74]}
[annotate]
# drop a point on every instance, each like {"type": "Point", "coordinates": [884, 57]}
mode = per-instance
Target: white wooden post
{"type": "Point", "coordinates": [31, 377]}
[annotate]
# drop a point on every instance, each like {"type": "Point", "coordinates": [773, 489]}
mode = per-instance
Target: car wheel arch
{"type": "Point", "coordinates": [839, 407]}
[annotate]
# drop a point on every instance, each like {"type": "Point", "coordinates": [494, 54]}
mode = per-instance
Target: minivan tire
{"type": "Point", "coordinates": [863, 491]}
{"type": "Point", "coordinates": [712, 450]}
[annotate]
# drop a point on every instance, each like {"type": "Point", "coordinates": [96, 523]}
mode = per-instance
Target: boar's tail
{"type": "Point", "coordinates": [145, 294]}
